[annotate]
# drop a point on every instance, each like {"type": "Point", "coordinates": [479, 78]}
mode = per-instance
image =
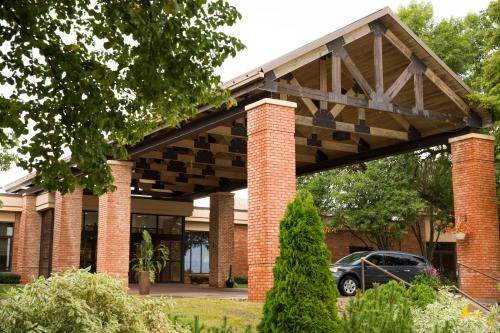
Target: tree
{"type": "Point", "coordinates": [378, 202]}
{"type": "Point", "coordinates": [92, 77]}
{"type": "Point", "coordinates": [469, 46]}
{"type": "Point", "coordinates": [430, 174]}
{"type": "Point", "coordinates": [304, 296]}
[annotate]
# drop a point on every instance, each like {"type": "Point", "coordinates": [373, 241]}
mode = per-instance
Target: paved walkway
{"type": "Point", "coordinates": [191, 291]}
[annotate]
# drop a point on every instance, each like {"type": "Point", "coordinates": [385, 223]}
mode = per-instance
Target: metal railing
{"type": "Point", "coordinates": [363, 286]}
{"type": "Point", "coordinates": [477, 271]}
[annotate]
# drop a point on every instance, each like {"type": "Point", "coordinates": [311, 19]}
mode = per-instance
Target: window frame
{"type": "Point", "coordinates": [202, 245]}
{"type": "Point", "coordinates": [11, 248]}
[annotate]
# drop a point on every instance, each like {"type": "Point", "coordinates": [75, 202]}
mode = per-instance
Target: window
{"type": "Point", "coordinates": [142, 222]}
{"type": "Point", "coordinates": [164, 229]}
{"type": "Point", "coordinates": [376, 259]}
{"type": "Point", "coordinates": [88, 246]}
{"type": "Point", "coordinates": [6, 234]}
{"type": "Point", "coordinates": [196, 257]}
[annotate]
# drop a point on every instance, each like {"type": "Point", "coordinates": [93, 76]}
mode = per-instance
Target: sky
{"type": "Point", "coordinates": [271, 28]}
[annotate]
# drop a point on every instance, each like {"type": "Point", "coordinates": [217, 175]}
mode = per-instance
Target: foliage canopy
{"type": "Point", "coordinates": [91, 77]}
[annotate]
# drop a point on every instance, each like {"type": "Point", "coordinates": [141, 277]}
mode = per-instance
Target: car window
{"type": "Point", "coordinates": [421, 261]}
{"type": "Point", "coordinates": [352, 258]}
{"type": "Point", "coordinates": [394, 260]}
{"type": "Point", "coordinates": [408, 261]}
{"type": "Point", "coordinates": [376, 259]}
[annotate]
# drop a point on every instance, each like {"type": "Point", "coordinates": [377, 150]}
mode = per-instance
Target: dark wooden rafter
{"type": "Point", "coordinates": [360, 128]}
{"type": "Point", "coordinates": [372, 154]}
{"type": "Point", "coordinates": [195, 127]}
{"type": "Point", "coordinates": [398, 44]}
{"type": "Point", "coordinates": [315, 94]}
{"type": "Point", "coordinates": [336, 47]}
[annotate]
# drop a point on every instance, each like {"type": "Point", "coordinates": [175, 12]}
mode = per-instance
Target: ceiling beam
{"type": "Point", "coordinates": [326, 144]}
{"type": "Point", "coordinates": [352, 128]}
{"type": "Point", "coordinates": [194, 127]}
{"type": "Point", "coordinates": [373, 154]}
{"type": "Point", "coordinates": [315, 94]}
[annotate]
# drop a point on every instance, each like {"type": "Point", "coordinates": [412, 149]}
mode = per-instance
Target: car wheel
{"type": "Point", "coordinates": [348, 286]}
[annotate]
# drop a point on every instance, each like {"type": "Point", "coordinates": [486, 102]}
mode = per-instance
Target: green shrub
{"type": "Point", "coordinates": [82, 302]}
{"type": "Point", "coordinates": [9, 278]}
{"type": "Point", "coordinates": [241, 279]}
{"type": "Point", "coordinates": [421, 294]}
{"type": "Point", "coordinates": [425, 279]}
{"type": "Point", "coordinates": [304, 296]}
{"type": "Point", "coordinates": [450, 313]}
{"type": "Point", "coordinates": [385, 308]}
{"type": "Point", "coordinates": [199, 279]}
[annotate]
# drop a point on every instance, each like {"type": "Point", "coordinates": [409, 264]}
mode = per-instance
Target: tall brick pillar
{"type": "Point", "coordinates": [113, 235]}
{"type": "Point", "coordinates": [474, 194]}
{"type": "Point", "coordinates": [221, 237]}
{"type": "Point", "coordinates": [67, 231]}
{"type": "Point", "coordinates": [27, 252]}
{"type": "Point", "coordinates": [271, 185]}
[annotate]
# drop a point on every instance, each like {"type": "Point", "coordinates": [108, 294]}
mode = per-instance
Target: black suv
{"type": "Point", "coordinates": [347, 271]}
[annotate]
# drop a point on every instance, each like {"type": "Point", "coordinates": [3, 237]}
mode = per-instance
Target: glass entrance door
{"type": "Point", "coordinates": [163, 229]}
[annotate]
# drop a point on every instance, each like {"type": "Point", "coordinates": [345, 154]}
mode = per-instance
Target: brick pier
{"type": "Point", "coordinates": [271, 185]}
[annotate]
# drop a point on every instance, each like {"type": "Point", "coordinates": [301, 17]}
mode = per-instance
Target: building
{"type": "Point", "coordinates": [366, 91]}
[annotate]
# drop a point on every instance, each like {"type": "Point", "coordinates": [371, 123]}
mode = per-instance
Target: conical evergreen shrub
{"type": "Point", "coordinates": [304, 296]}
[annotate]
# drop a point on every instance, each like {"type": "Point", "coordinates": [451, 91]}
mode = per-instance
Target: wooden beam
{"type": "Point", "coordinates": [336, 74]}
{"type": "Point", "coordinates": [378, 63]}
{"type": "Point", "coordinates": [397, 85]}
{"type": "Point", "coordinates": [356, 34]}
{"type": "Point", "coordinates": [328, 145]}
{"type": "Point", "coordinates": [418, 84]}
{"type": "Point", "coordinates": [378, 153]}
{"type": "Point", "coordinates": [337, 109]}
{"type": "Point", "coordinates": [338, 50]}
{"type": "Point", "coordinates": [447, 91]}
{"type": "Point", "coordinates": [307, 101]}
{"type": "Point", "coordinates": [351, 128]}
{"type": "Point", "coordinates": [323, 83]}
{"type": "Point", "coordinates": [316, 94]}
{"type": "Point", "coordinates": [283, 97]}
{"type": "Point", "coordinates": [429, 73]}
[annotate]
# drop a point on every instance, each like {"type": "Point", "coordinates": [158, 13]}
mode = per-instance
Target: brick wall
{"type": "Point", "coordinates": [27, 236]}
{"type": "Point", "coordinates": [221, 237]}
{"type": "Point", "coordinates": [67, 231]}
{"type": "Point", "coordinates": [17, 240]}
{"type": "Point", "coordinates": [113, 238]}
{"type": "Point", "coordinates": [474, 193]}
{"type": "Point", "coordinates": [240, 252]}
{"type": "Point", "coordinates": [339, 243]}
{"type": "Point", "coordinates": [271, 185]}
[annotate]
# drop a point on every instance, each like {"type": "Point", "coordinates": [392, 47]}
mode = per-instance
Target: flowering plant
{"type": "Point", "coordinates": [461, 227]}
{"type": "Point", "coordinates": [458, 224]}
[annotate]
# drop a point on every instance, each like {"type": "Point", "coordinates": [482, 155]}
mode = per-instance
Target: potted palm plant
{"type": "Point", "coordinates": [148, 261]}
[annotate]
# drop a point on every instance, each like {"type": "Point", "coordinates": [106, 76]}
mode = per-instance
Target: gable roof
{"type": "Point", "coordinates": [317, 49]}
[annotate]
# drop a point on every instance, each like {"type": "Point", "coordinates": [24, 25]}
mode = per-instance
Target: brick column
{"type": "Point", "coordinates": [17, 245]}
{"type": "Point", "coordinates": [271, 185]}
{"type": "Point", "coordinates": [474, 194]}
{"type": "Point", "coordinates": [113, 235]}
{"type": "Point", "coordinates": [28, 251]}
{"type": "Point", "coordinates": [221, 237]}
{"type": "Point", "coordinates": [67, 231]}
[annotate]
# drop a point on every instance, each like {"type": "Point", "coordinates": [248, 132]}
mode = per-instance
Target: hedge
{"type": "Point", "coordinates": [9, 278]}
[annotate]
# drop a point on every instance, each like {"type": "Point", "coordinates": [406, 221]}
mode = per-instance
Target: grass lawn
{"type": "Point", "coordinates": [211, 311]}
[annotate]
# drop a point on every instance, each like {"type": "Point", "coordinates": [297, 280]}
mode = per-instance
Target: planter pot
{"type": "Point", "coordinates": [459, 235]}
{"type": "Point", "coordinates": [144, 283]}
